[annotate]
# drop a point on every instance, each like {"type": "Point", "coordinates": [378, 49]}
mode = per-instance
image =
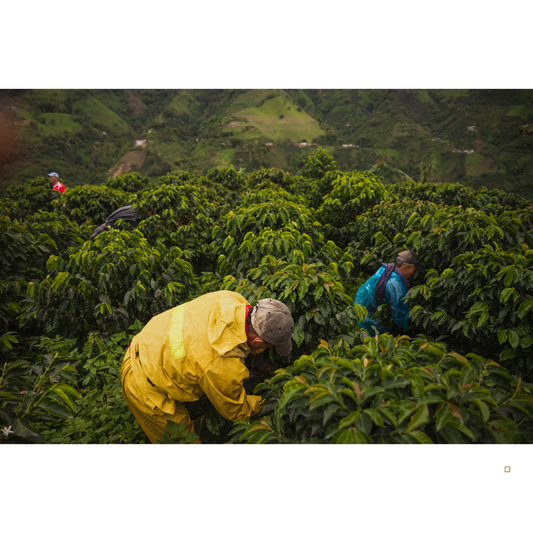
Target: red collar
{"type": "Point", "coordinates": [248, 307]}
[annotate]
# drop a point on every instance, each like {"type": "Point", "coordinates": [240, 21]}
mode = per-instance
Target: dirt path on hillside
{"type": "Point", "coordinates": [128, 163]}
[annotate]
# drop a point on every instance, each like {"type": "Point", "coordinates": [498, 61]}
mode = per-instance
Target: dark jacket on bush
{"type": "Point", "coordinates": [122, 213]}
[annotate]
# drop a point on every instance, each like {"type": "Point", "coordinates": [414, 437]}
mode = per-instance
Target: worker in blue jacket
{"type": "Point", "coordinates": [389, 285]}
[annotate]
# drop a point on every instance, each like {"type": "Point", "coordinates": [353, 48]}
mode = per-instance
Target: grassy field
{"type": "Point", "coordinates": [101, 114]}
{"type": "Point", "coordinates": [183, 104]}
{"type": "Point", "coordinates": [279, 119]}
{"type": "Point", "coordinates": [249, 99]}
{"type": "Point", "coordinates": [223, 158]}
{"type": "Point", "coordinates": [55, 123]}
{"type": "Point", "coordinates": [524, 111]}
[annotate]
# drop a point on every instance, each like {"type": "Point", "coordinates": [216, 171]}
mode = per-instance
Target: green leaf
{"type": "Point", "coordinates": [418, 385]}
{"type": "Point", "coordinates": [350, 419]}
{"type": "Point", "coordinates": [63, 396]}
{"type": "Point", "coordinates": [60, 279]}
{"type": "Point", "coordinates": [524, 308]}
{"type": "Point", "coordinates": [483, 409]}
{"type": "Point", "coordinates": [514, 339]}
{"type": "Point", "coordinates": [478, 307]}
{"type": "Point", "coordinates": [329, 410]}
{"type": "Point", "coordinates": [22, 429]}
{"type": "Point", "coordinates": [190, 437]}
{"type": "Point", "coordinates": [463, 429]}
{"type": "Point", "coordinates": [527, 341]}
{"type": "Point", "coordinates": [482, 319]}
{"type": "Point", "coordinates": [7, 340]}
{"type": "Point", "coordinates": [346, 437]}
{"type": "Point", "coordinates": [421, 437]}
{"type": "Point", "coordinates": [451, 435]}
{"type": "Point", "coordinates": [397, 382]}
{"type": "Point", "coordinates": [502, 335]}
{"type": "Point", "coordinates": [506, 293]}
{"type": "Point", "coordinates": [443, 416]}
{"type": "Point", "coordinates": [320, 400]}
{"type": "Point", "coordinates": [467, 375]}
{"type": "Point", "coordinates": [302, 289]}
{"type": "Point", "coordinates": [502, 437]}
{"type": "Point", "coordinates": [420, 417]}
{"type": "Point", "coordinates": [375, 417]}
{"type": "Point", "coordinates": [319, 289]}
{"type": "Point", "coordinates": [174, 427]}
{"type": "Point", "coordinates": [71, 391]}
{"type": "Point", "coordinates": [508, 426]}
{"type": "Point", "coordinates": [55, 407]}
{"type": "Point", "coordinates": [405, 410]}
{"type": "Point", "coordinates": [389, 415]}
{"type": "Point", "coordinates": [426, 400]}
{"type": "Point", "coordinates": [211, 422]}
{"type": "Point", "coordinates": [372, 391]}
{"type": "Point", "coordinates": [298, 335]}
{"type": "Point", "coordinates": [509, 277]}
{"type": "Point", "coordinates": [288, 394]}
{"type": "Point", "coordinates": [362, 438]}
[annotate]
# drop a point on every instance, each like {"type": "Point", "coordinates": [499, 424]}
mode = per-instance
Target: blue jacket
{"type": "Point", "coordinates": [395, 291]}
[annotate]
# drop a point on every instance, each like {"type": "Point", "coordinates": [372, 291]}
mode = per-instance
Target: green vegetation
{"type": "Point", "coordinates": [55, 123]}
{"type": "Point", "coordinates": [522, 110]}
{"type": "Point", "coordinates": [385, 391]}
{"type": "Point", "coordinates": [276, 118]}
{"type": "Point", "coordinates": [462, 373]}
{"type": "Point", "coordinates": [101, 115]}
{"type": "Point", "coordinates": [190, 129]}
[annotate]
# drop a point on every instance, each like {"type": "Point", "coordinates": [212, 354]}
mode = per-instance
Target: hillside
{"type": "Point", "coordinates": [475, 137]}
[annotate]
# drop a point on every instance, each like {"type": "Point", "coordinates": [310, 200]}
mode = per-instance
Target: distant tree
{"type": "Point", "coordinates": [424, 172]}
{"type": "Point", "coordinates": [316, 165]}
{"type": "Point", "coordinates": [379, 164]}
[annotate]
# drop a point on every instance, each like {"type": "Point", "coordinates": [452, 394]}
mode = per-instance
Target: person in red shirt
{"type": "Point", "coordinates": [56, 184]}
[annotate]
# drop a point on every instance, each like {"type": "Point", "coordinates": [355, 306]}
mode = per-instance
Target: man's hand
{"type": "Point", "coordinates": [260, 365]}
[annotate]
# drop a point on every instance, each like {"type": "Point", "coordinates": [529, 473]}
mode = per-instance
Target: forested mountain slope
{"type": "Point", "coordinates": [474, 137]}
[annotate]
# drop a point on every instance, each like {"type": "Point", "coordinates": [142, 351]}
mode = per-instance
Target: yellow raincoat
{"type": "Point", "coordinates": [194, 349]}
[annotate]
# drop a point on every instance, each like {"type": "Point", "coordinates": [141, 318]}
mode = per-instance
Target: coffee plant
{"type": "Point", "coordinates": [352, 195]}
{"type": "Point", "coordinates": [91, 203]}
{"type": "Point", "coordinates": [227, 177]}
{"type": "Point", "coordinates": [108, 284]}
{"type": "Point", "coordinates": [391, 390]}
{"type": "Point", "coordinates": [132, 182]}
{"type": "Point", "coordinates": [484, 302]}
{"type": "Point", "coordinates": [489, 201]}
{"type": "Point", "coordinates": [271, 176]}
{"type": "Point", "coordinates": [462, 373]}
{"type": "Point", "coordinates": [21, 200]}
{"type": "Point", "coordinates": [37, 389]}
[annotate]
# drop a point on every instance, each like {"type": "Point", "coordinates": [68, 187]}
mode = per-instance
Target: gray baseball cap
{"type": "Point", "coordinates": [411, 258]}
{"type": "Point", "coordinates": [272, 320]}
{"type": "Point", "coordinates": [53, 174]}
